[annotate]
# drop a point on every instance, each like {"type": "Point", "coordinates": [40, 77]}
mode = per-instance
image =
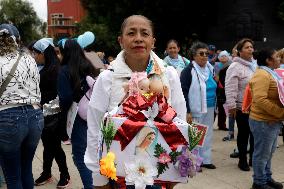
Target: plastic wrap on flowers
{"type": "Point", "coordinates": [188, 163]}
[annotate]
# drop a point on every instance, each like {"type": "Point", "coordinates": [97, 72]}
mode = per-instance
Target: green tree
{"type": "Point", "coordinates": [178, 20]}
{"type": "Point", "coordinates": [22, 15]}
{"type": "Point", "coordinates": [281, 10]}
{"type": "Point", "coordinates": [105, 17]}
{"type": "Point", "coordinates": [106, 39]}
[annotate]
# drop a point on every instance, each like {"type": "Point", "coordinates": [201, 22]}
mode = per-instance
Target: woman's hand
{"type": "Point", "coordinates": [189, 118]}
{"type": "Point", "coordinates": [232, 113]}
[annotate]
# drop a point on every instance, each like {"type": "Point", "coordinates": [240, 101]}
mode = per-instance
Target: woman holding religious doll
{"type": "Point", "coordinates": [136, 40]}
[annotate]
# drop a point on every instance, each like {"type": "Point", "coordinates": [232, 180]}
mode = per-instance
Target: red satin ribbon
{"type": "Point", "coordinates": [171, 134]}
{"type": "Point", "coordinates": [136, 121]}
{"type": "Point", "coordinates": [127, 131]}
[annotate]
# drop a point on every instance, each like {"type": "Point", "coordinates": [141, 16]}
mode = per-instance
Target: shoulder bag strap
{"type": "Point", "coordinates": [10, 76]}
{"type": "Point", "coordinates": [183, 60]}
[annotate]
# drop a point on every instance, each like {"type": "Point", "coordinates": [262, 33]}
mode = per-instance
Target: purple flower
{"type": "Point", "coordinates": [188, 163]}
{"type": "Point", "coordinates": [184, 163]}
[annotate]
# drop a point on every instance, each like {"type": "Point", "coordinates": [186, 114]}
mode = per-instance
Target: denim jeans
{"type": "Point", "coordinates": [207, 119]}
{"type": "Point", "coordinates": [265, 142]}
{"type": "Point", "coordinates": [20, 131]}
{"type": "Point", "coordinates": [79, 145]}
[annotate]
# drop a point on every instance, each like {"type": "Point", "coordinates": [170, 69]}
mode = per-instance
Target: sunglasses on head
{"type": "Point", "coordinates": [202, 53]}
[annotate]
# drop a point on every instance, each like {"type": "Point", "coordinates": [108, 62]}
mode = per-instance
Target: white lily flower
{"type": "Point", "coordinates": [140, 172]}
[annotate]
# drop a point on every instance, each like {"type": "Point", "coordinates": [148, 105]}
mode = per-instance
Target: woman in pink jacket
{"type": "Point", "coordinates": [237, 77]}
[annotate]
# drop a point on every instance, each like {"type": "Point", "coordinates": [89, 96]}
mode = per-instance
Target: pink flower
{"type": "Point", "coordinates": [164, 158]}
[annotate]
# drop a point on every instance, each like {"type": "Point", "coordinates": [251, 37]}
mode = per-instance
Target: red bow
{"type": "Point", "coordinates": [136, 121]}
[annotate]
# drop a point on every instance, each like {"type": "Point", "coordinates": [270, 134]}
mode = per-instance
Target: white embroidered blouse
{"type": "Point", "coordinates": [24, 86]}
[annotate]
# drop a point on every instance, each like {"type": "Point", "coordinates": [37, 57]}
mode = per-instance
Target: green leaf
{"type": "Point", "coordinates": [174, 155]}
{"type": "Point", "coordinates": [194, 136]}
{"type": "Point", "coordinates": [108, 132]}
{"type": "Point", "coordinates": [159, 150]}
{"type": "Point", "coordinates": [162, 168]}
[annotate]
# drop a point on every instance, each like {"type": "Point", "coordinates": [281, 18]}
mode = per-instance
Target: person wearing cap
{"type": "Point", "coordinates": [21, 119]}
{"type": "Point", "coordinates": [72, 86]}
{"type": "Point", "coordinates": [45, 54]}
{"type": "Point", "coordinates": [212, 57]}
{"type": "Point", "coordinates": [220, 70]}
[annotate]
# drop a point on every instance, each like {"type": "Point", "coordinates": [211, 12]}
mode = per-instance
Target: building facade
{"type": "Point", "coordinates": [63, 16]}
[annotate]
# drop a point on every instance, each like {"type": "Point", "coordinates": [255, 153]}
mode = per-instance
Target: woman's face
{"type": "Point", "coordinates": [224, 59]}
{"type": "Point", "coordinates": [201, 57]}
{"type": "Point", "coordinates": [137, 38]}
{"type": "Point", "coordinates": [39, 57]}
{"type": "Point", "coordinates": [144, 86]}
{"type": "Point", "coordinates": [246, 51]}
{"type": "Point", "coordinates": [148, 140]}
{"type": "Point", "coordinates": [173, 50]}
{"type": "Point", "coordinates": [273, 62]}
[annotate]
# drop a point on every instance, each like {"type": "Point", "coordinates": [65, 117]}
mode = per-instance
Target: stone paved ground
{"type": "Point", "coordinates": [226, 176]}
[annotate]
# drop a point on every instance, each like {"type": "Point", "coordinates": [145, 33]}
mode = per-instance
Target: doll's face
{"type": "Point", "coordinates": [144, 86]}
{"type": "Point", "coordinates": [156, 85]}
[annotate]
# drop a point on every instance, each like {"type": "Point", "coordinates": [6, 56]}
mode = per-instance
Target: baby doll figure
{"type": "Point", "coordinates": [138, 84]}
{"type": "Point", "coordinates": [157, 87]}
{"type": "Point", "coordinates": [147, 98]}
{"type": "Point", "coordinates": [138, 96]}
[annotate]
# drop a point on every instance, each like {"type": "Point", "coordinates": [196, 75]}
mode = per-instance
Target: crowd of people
{"type": "Point", "coordinates": [39, 85]}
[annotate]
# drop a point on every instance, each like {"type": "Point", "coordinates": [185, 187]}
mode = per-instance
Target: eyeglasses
{"type": "Point", "coordinates": [203, 53]}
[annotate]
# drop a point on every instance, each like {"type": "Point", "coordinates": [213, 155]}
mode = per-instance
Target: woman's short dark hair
{"type": "Point", "coordinates": [174, 41]}
{"type": "Point", "coordinates": [125, 21]}
{"type": "Point", "coordinates": [196, 46]}
{"type": "Point", "coordinates": [262, 55]}
{"type": "Point", "coordinates": [241, 44]}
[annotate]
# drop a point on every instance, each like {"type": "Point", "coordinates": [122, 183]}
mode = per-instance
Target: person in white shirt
{"type": "Point", "coordinates": [137, 41]}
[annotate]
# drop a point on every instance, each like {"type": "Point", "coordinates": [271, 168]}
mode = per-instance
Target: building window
{"type": "Point", "coordinates": [56, 19]}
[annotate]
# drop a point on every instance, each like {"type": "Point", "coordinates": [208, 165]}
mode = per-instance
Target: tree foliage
{"type": "Point", "coordinates": [22, 15]}
{"type": "Point", "coordinates": [177, 20]}
{"type": "Point", "coordinates": [281, 10]}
